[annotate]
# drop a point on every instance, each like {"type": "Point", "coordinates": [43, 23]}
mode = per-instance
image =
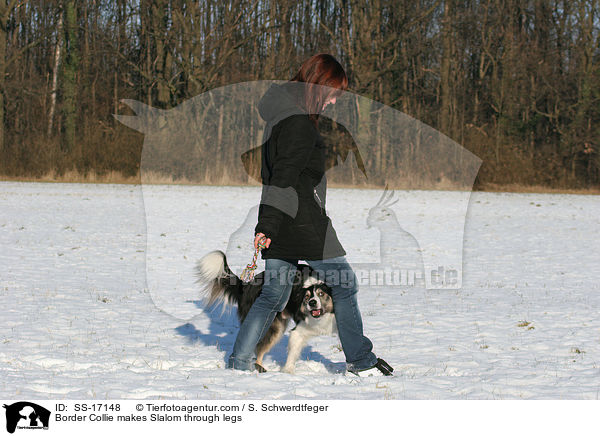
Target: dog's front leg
{"type": "Point", "coordinates": [298, 338]}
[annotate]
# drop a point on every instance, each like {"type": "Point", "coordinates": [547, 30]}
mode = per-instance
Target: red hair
{"type": "Point", "coordinates": [324, 70]}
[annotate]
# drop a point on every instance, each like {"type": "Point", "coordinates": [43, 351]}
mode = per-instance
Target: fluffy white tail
{"type": "Point", "coordinates": [211, 266]}
{"type": "Point", "coordinates": [219, 283]}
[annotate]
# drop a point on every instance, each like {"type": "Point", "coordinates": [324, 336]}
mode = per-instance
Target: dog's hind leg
{"type": "Point", "coordinates": [272, 336]}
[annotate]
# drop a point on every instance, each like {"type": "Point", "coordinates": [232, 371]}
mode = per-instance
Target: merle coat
{"type": "Point", "coordinates": [292, 211]}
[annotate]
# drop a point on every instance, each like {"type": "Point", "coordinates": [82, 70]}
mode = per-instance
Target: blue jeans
{"type": "Point", "coordinates": [276, 290]}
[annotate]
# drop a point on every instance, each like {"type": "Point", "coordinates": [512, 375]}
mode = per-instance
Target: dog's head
{"type": "Point", "coordinates": [317, 300]}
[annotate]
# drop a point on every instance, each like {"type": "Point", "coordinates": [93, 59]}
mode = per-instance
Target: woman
{"type": "Point", "coordinates": [292, 216]}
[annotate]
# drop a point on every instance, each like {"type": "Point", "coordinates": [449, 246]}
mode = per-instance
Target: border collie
{"type": "Point", "coordinates": [310, 304]}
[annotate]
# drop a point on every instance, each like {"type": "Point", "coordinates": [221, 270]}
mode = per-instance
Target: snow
{"type": "Point", "coordinates": [95, 309]}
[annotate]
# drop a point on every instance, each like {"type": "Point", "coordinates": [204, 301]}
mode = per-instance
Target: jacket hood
{"type": "Point", "coordinates": [280, 101]}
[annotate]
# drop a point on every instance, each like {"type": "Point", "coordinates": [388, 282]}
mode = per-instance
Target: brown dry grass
{"type": "Point", "coordinates": [538, 189]}
{"type": "Point", "coordinates": [115, 177]}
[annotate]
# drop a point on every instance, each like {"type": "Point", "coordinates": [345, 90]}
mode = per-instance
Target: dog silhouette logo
{"type": "Point", "coordinates": [26, 415]}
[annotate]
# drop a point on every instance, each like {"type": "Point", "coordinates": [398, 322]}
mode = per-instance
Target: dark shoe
{"type": "Point", "coordinates": [379, 369]}
{"type": "Point", "coordinates": [259, 368]}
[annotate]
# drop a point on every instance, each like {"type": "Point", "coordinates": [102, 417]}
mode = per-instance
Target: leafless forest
{"type": "Point", "coordinates": [516, 82]}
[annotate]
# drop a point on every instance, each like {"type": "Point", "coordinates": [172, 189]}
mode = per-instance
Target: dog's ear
{"type": "Point", "coordinates": [318, 274]}
{"type": "Point", "coordinates": [308, 270]}
{"type": "Point", "coordinates": [303, 271]}
{"type": "Point", "coordinates": [326, 289]}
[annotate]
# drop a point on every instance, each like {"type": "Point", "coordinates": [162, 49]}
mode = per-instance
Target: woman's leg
{"type": "Point", "coordinates": [276, 289]}
{"type": "Point", "coordinates": [339, 276]}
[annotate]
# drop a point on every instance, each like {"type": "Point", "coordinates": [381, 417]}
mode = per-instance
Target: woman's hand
{"type": "Point", "coordinates": [257, 238]}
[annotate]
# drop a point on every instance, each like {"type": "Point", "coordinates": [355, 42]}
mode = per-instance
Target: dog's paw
{"type": "Point", "coordinates": [289, 369]}
{"type": "Point", "coordinates": [259, 368]}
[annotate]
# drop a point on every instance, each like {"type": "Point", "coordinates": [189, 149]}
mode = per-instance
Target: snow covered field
{"type": "Point", "coordinates": [86, 316]}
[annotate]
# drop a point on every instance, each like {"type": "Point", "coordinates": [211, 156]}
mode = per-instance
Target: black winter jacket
{"type": "Point", "coordinates": [292, 210]}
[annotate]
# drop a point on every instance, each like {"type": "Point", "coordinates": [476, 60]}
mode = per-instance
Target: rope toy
{"type": "Point", "coordinates": [248, 272]}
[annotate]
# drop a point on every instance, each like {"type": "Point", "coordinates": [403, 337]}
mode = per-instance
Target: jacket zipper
{"type": "Point", "coordinates": [318, 198]}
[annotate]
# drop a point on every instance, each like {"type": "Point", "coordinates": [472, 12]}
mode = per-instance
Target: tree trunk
{"type": "Point", "coordinates": [55, 72]}
{"type": "Point", "coordinates": [5, 10]}
{"type": "Point", "coordinates": [446, 71]}
{"type": "Point", "coordinates": [69, 81]}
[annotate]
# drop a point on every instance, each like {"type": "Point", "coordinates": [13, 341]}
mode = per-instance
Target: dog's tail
{"type": "Point", "coordinates": [219, 283]}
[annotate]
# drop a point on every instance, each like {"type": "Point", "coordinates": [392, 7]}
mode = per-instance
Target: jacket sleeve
{"type": "Point", "coordinates": [295, 143]}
